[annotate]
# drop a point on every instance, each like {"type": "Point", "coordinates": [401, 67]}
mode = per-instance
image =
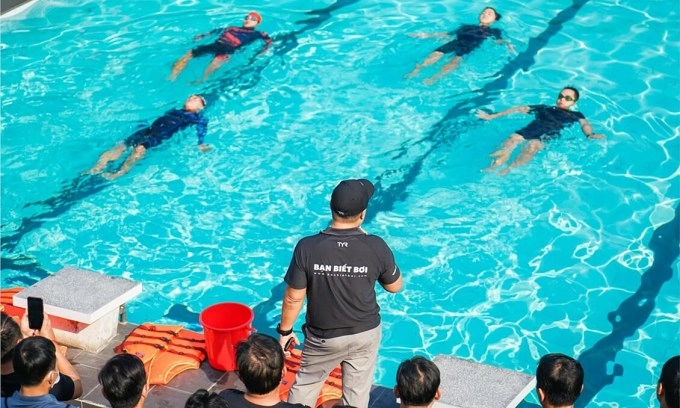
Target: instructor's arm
{"type": "Point", "coordinates": [293, 299]}
{"type": "Point", "coordinates": [393, 287]}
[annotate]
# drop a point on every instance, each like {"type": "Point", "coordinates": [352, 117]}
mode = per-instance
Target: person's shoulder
{"type": "Point", "coordinates": [579, 114]}
{"type": "Point", "coordinates": [232, 394]}
{"type": "Point", "coordinates": [375, 241]}
{"type": "Point", "coordinates": [284, 404]}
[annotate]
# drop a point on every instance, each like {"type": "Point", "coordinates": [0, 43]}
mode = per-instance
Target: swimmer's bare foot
{"type": "Point", "coordinates": [412, 73]}
{"type": "Point", "coordinates": [505, 171]}
{"type": "Point", "coordinates": [111, 176]}
{"type": "Point", "coordinates": [430, 81]}
{"type": "Point", "coordinates": [92, 171]}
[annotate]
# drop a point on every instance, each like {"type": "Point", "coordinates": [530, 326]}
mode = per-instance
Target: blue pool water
{"type": "Point", "coordinates": [502, 270]}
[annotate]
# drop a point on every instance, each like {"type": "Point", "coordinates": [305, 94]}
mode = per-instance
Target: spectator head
{"type": "Point", "coordinates": [417, 383]}
{"type": "Point", "coordinates": [123, 381]}
{"type": "Point", "coordinates": [350, 199]}
{"type": "Point", "coordinates": [668, 388]}
{"type": "Point", "coordinates": [35, 361]}
{"type": "Point", "coordinates": [559, 380]}
{"type": "Point", "coordinates": [259, 360]}
{"type": "Point", "coordinates": [203, 399]}
{"type": "Point", "coordinates": [10, 335]}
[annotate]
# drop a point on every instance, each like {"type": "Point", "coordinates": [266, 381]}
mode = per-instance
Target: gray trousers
{"type": "Point", "coordinates": [356, 352]}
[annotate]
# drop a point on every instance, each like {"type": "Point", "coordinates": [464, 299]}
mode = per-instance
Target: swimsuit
{"type": "Point", "coordinates": [230, 40]}
{"type": "Point", "coordinates": [167, 125]}
{"type": "Point", "coordinates": [468, 38]}
{"type": "Point", "coordinates": [550, 120]}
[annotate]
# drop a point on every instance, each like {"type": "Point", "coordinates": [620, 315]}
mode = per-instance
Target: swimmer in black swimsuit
{"type": "Point", "coordinates": [550, 120]}
{"type": "Point", "coordinates": [231, 39]}
{"type": "Point", "coordinates": [163, 128]}
{"type": "Point", "coordinates": [468, 38]}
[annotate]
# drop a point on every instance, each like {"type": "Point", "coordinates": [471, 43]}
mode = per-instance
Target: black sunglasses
{"type": "Point", "coordinates": [566, 98]}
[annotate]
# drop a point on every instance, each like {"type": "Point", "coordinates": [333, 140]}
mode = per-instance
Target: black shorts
{"type": "Point", "coordinates": [456, 47]}
{"type": "Point", "coordinates": [217, 49]}
{"type": "Point", "coordinates": [144, 137]}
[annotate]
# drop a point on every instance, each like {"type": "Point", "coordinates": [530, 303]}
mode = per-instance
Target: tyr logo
{"type": "Point", "coordinates": [343, 244]}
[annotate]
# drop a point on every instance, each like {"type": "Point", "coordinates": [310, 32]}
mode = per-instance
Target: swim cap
{"type": "Point", "coordinates": [256, 15]}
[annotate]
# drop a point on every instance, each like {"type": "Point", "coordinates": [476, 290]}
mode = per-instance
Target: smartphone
{"type": "Point", "coordinates": [35, 313]}
{"type": "Point", "coordinates": [289, 344]}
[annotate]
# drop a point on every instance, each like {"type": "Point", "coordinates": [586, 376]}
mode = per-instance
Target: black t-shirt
{"type": "Point", "coordinates": [550, 120]}
{"type": "Point", "coordinates": [339, 268]}
{"type": "Point", "coordinates": [236, 399]}
{"type": "Point", "coordinates": [63, 390]}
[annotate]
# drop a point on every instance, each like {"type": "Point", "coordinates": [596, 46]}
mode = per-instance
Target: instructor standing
{"type": "Point", "coordinates": [336, 271]}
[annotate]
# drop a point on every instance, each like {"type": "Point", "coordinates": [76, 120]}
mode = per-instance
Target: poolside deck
{"type": "Point", "coordinates": [178, 390]}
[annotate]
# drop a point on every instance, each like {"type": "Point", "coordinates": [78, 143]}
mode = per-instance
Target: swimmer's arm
{"type": "Point", "coordinates": [507, 44]}
{"type": "Point", "coordinates": [201, 131]}
{"type": "Point", "coordinates": [211, 32]}
{"type": "Point", "coordinates": [443, 34]}
{"type": "Point", "coordinates": [488, 116]}
{"type": "Point", "coordinates": [267, 42]}
{"type": "Point", "coordinates": [588, 130]}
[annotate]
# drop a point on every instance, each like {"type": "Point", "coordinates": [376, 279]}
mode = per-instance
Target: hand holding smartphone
{"type": "Point", "coordinates": [35, 313]}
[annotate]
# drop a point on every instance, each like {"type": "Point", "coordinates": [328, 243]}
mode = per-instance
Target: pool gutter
{"type": "Point", "coordinates": [10, 8]}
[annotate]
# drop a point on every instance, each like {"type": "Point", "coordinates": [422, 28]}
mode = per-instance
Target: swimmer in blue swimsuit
{"type": "Point", "coordinates": [231, 39]}
{"type": "Point", "coordinates": [550, 120]}
{"type": "Point", "coordinates": [161, 129]}
{"type": "Point", "coordinates": [468, 38]}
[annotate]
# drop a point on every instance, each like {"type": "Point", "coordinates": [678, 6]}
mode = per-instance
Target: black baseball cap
{"type": "Point", "coordinates": [350, 197]}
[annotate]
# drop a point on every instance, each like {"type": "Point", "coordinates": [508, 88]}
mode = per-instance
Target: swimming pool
{"type": "Point", "coordinates": [497, 269]}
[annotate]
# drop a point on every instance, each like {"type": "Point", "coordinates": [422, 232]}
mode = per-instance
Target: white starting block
{"type": "Point", "coordinates": [467, 384]}
{"type": "Point", "coordinates": [83, 306]}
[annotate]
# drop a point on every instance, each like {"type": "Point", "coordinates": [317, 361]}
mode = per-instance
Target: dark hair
{"type": "Point", "coordinates": [498, 16]}
{"type": "Point", "coordinates": [34, 358]}
{"type": "Point", "coordinates": [560, 377]}
{"type": "Point", "coordinates": [123, 379]}
{"type": "Point", "coordinates": [10, 335]}
{"type": "Point", "coordinates": [260, 363]}
{"type": "Point", "coordinates": [670, 381]}
{"type": "Point", "coordinates": [417, 381]}
{"type": "Point", "coordinates": [576, 94]}
{"type": "Point", "coordinates": [203, 399]}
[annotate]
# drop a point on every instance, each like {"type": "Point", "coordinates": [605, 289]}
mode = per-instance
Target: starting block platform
{"type": "Point", "coordinates": [83, 306]}
{"type": "Point", "coordinates": [468, 384]}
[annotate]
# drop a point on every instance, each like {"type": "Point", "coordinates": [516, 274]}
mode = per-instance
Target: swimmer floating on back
{"type": "Point", "coordinates": [549, 121]}
{"type": "Point", "coordinates": [161, 129]}
{"type": "Point", "coordinates": [231, 39]}
{"type": "Point", "coordinates": [468, 38]}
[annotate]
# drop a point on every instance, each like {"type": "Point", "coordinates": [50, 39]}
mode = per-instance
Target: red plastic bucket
{"type": "Point", "coordinates": [225, 325]}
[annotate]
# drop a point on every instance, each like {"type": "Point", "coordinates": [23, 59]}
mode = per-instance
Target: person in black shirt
{"type": "Point", "coordinates": [336, 270]}
{"type": "Point", "coordinates": [123, 381]}
{"type": "Point", "coordinates": [550, 120]}
{"type": "Point", "coordinates": [418, 382]}
{"type": "Point", "coordinates": [260, 364]}
{"type": "Point", "coordinates": [559, 380]}
{"type": "Point", "coordinates": [668, 387]}
{"type": "Point", "coordinates": [35, 362]}
{"type": "Point", "coordinates": [204, 399]}
{"type": "Point", "coordinates": [68, 387]}
{"type": "Point", "coordinates": [468, 38]}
